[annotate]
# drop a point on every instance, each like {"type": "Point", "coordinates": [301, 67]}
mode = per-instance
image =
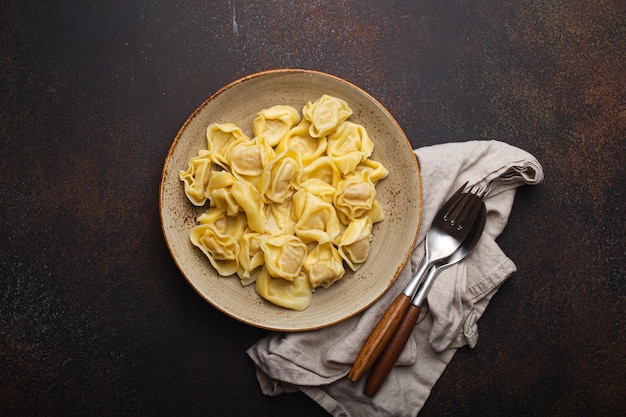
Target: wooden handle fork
{"type": "Point", "coordinates": [379, 337]}
{"type": "Point", "coordinates": [392, 351]}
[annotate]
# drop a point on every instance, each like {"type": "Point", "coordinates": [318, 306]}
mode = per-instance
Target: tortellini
{"type": "Point", "coordinates": [196, 178]}
{"type": "Point", "coordinates": [296, 294]}
{"type": "Point", "coordinates": [355, 197]}
{"type": "Point", "coordinates": [250, 256]}
{"type": "Point", "coordinates": [323, 265]}
{"type": "Point", "coordinates": [289, 206]}
{"type": "Point", "coordinates": [248, 159]}
{"type": "Point", "coordinates": [249, 198]}
{"type": "Point", "coordinates": [221, 137]}
{"type": "Point", "coordinates": [271, 125]}
{"type": "Point", "coordinates": [348, 146]}
{"type": "Point", "coordinates": [317, 219]}
{"type": "Point", "coordinates": [218, 236]}
{"type": "Point", "coordinates": [284, 256]}
{"type": "Point", "coordinates": [299, 138]}
{"type": "Point", "coordinates": [282, 176]}
{"type": "Point", "coordinates": [326, 115]}
{"type": "Point", "coordinates": [354, 244]}
{"type": "Point", "coordinates": [220, 192]}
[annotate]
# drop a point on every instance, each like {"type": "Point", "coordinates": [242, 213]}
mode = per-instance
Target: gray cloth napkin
{"type": "Point", "coordinates": [318, 361]}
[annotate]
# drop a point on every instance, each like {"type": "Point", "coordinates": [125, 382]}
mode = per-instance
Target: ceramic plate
{"type": "Point", "coordinates": [399, 194]}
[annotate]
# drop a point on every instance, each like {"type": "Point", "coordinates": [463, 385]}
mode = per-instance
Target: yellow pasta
{"type": "Point", "coordinates": [218, 236]}
{"type": "Point", "coordinates": [348, 146]}
{"type": "Point", "coordinates": [250, 256]}
{"type": "Point", "coordinates": [354, 197]}
{"type": "Point", "coordinates": [249, 198]}
{"type": "Point", "coordinates": [354, 244]}
{"type": "Point", "coordinates": [220, 137]}
{"type": "Point", "coordinates": [220, 193]}
{"type": "Point", "coordinates": [299, 138]}
{"type": "Point", "coordinates": [248, 159]}
{"type": "Point", "coordinates": [323, 265]}
{"type": "Point", "coordinates": [317, 219]}
{"type": "Point", "coordinates": [325, 115]}
{"type": "Point", "coordinates": [281, 177]}
{"type": "Point", "coordinates": [196, 178]}
{"type": "Point", "coordinates": [289, 207]}
{"type": "Point", "coordinates": [296, 294]}
{"type": "Point", "coordinates": [284, 256]}
{"type": "Point", "coordinates": [271, 125]}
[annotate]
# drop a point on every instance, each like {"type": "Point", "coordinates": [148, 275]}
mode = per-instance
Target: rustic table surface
{"type": "Point", "coordinates": [96, 319]}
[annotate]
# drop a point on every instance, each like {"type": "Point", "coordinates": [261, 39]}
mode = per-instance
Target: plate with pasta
{"type": "Point", "coordinates": [290, 199]}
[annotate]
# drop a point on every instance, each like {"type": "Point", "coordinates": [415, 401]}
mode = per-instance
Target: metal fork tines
{"type": "Point", "coordinates": [450, 227]}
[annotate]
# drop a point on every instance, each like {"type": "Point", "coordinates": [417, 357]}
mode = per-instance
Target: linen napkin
{"type": "Point", "coordinates": [317, 362]}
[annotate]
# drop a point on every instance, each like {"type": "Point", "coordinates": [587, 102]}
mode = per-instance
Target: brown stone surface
{"type": "Point", "coordinates": [95, 318]}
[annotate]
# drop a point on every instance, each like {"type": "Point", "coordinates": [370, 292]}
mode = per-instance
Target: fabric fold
{"type": "Point", "coordinates": [318, 361]}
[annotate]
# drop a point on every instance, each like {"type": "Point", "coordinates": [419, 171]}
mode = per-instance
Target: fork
{"type": "Point", "coordinates": [394, 348]}
{"type": "Point", "coordinates": [449, 229]}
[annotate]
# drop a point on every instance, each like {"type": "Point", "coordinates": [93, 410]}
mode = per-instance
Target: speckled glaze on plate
{"type": "Point", "coordinates": [400, 195]}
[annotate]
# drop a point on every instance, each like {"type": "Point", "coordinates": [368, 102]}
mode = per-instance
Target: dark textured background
{"type": "Point", "coordinates": [95, 319]}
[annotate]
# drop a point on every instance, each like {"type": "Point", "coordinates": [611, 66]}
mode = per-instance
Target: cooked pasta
{"type": "Point", "coordinates": [289, 206]}
{"type": "Point", "coordinates": [197, 177]}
